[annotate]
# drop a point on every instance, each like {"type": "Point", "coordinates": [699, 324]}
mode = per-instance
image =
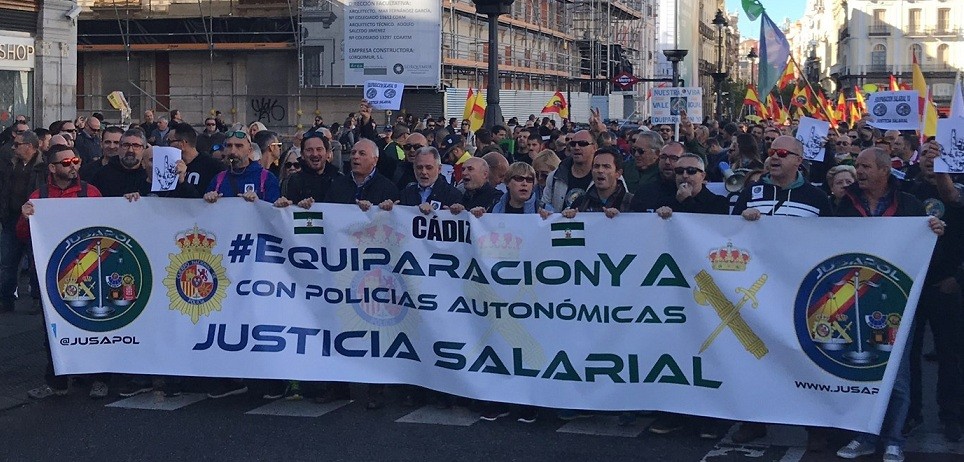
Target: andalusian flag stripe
{"type": "Point", "coordinates": [309, 227]}
{"type": "Point", "coordinates": [562, 233]}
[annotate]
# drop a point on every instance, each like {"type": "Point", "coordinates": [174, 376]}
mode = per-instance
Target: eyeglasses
{"type": "Point", "coordinates": [95, 130]}
{"type": "Point", "coordinates": [132, 146]}
{"type": "Point", "coordinates": [409, 147]}
{"type": "Point", "coordinates": [523, 179]}
{"type": "Point", "coordinates": [69, 161]}
{"type": "Point", "coordinates": [768, 139]}
{"type": "Point", "coordinates": [843, 143]}
{"type": "Point", "coordinates": [292, 165]}
{"type": "Point", "coordinates": [639, 151]}
{"type": "Point", "coordinates": [211, 124]}
{"type": "Point", "coordinates": [19, 132]}
{"type": "Point", "coordinates": [668, 157]}
{"type": "Point", "coordinates": [688, 170]}
{"type": "Point", "coordinates": [581, 144]}
{"type": "Point", "coordinates": [72, 130]}
{"type": "Point", "coordinates": [781, 153]}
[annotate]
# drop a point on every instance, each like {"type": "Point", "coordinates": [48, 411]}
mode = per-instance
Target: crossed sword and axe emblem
{"type": "Point", "coordinates": [708, 293]}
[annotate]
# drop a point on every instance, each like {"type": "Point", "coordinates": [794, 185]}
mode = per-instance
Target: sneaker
{"type": "Point", "coordinates": [748, 432]}
{"type": "Point", "coordinates": [496, 413]}
{"type": "Point", "coordinates": [228, 388]}
{"type": "Point", "coordinates": [134, 388]}
{"type": "Point", "coordinates": [952, 431]}
{"type": "Point", "coordinates": [893, 454]}
{"type": "Point", "coordinates": [911, 424]}
{"type": "Point", "coordinates": [98, 390]}
{"type": "Point", "coordinates": [668, 423]}
{"type": "Point", "coordinates": [44, 391]}
{"type": "Point", "coordinates": [571, 414]}
{"type": "Point", "coordinates": [855, 449]}
{"type": "Point", "coordinates": [293, 392]}
{"type": "Point", "coordinates": [528, 415]}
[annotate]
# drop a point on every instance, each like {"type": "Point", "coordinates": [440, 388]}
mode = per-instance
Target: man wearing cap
{"type": "Point", "coordinates": [454, 154]}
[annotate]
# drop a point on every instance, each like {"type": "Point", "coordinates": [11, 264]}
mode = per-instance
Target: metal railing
{"type": "Point", "coordinates": [879, 29]}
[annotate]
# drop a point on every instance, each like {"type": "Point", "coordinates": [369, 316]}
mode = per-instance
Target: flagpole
{"type": "Point", "coordinates": [809, 85]}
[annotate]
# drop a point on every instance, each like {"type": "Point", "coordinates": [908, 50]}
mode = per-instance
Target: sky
{"type": "Point", "coordinates": [776, 9]}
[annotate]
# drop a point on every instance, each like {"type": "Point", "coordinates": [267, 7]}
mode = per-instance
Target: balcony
{"type": "Point", "coordinates": [707, 31]}
{"type": "Point", "coordinates": [944, 31]}
{"type": "Point", "coordinates": [877, 68]}
{"type": "Point", "coordinates": [878, 29]}
{"type": "Point", "coordinates": [119, 4]}
{"type": "Point", "coordinates": [915, 30]}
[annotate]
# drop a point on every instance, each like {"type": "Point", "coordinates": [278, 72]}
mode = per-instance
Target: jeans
{"type": "Point", "coordinates": [11, 253]}
{"type": "Point", "coordinates": [943, 312]}
{"type": "Point", "coordinates": [890, 431]}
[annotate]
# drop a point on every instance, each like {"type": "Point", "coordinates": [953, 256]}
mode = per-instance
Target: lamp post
{"type": "Point", "coordinates": [493, 9]}
{"type": "Point", "coordinates": [752, 56]}
{"type": "Point", "coordinates": [720, 75]}
{"type": "Point", "coordinates": [674, 57]}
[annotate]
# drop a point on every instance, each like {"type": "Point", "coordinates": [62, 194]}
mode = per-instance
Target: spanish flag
{"type": "Point", "coordinates": [841, 106]}
{"type": "Point", "coordinates": [477, 116]}
{"type": "Point", "coordinates": [787, 77]}
{"type": "Point", "coordinates": [893, 83]}
{"type": "Point", "coordinates": [775, 110]}
{"type": "Point", "coordinates": [928, 123]}
{"type": "Point", "coordinates": [557, 104]}
{"type": "Point", "coordinates": [855, 113]}
{"type": "Point", "coordinates": [753, 100]}
{"type": "Point", "coordinates": [802, 98]}
{"type": "Point", "coordinates": [860, 104]}
{"type": "Point", "coordinates": [469, 102]}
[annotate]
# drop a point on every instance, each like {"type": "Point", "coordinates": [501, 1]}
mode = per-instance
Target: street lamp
{"type": "Point", "coordinates": [752, 56]}
{"type": "Point", "coordinates": [674, 57]}
{"type": "Point", "coordinates": [719, 76]}
{"type": "Point", "coordinates": [493, 9]}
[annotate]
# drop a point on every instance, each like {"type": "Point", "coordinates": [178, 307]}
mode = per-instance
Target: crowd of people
{"type": "Point", "coordinates": [531, 166]}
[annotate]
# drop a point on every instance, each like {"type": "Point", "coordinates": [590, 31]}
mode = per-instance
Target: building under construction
{"type": "Point", "coordinates": [274, 60]}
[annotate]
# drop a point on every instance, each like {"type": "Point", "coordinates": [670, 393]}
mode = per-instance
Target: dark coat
{"type": "Point", "coordinates": [343, 190]}
{"type": "Point", "coordinates": [442, 192]}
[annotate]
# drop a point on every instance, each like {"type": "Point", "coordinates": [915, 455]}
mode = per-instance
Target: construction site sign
{"type": "Point", "coordinates": [396, 40]}
{"type": "Point", "coordinates": [669, 103]}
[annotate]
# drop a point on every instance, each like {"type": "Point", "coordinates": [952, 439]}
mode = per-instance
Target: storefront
{"type": "Point", "coordinates": [16, 76]}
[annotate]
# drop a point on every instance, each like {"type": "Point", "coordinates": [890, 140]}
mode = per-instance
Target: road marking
{"type": "Point", "coordinates": [604, 425]}
{"type": "Point", "coordinates": [457, 416]}
{"type": "Point", "coordinates": [298, 408]}
{"type": "Point", "coordinates": [156, 401]}
{"type": "Point", "coordinates": [793, 454]}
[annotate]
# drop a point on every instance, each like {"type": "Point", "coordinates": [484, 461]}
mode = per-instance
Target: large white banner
{"type": "Point", "coordinates": [698, 314]}
{"type": "Point", "coordinates": [394, 40]}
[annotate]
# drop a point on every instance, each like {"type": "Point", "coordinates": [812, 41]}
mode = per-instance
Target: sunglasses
{"type": "Point", "coordinates": [411, 147]}
{"type": "Point", "coordinates": [523, 179]}
{"type": "Point", "coordinates": [241, 135]}
{"type": "Point", "coordinates": [688, 170]}
{"type": "Point", "coordinates": [668, 157]}
{"type": "Point", "coordinates": [70, 161]}
{"type": "Point", "coordinates": [639, 151]}
{"type": "Point", "coordinates": [211, 124]}
{"type": "Point", "coordinates": [843, 143]}
{"type": "Point", "coordinates": [276, 143]}
{"type": "Point", "coordinates": [581, 144]}
{"type": "Point", "coordinates": [72, 130]}
{"type": "Point", "coordinates": [769, 140]}
{"type": "Point", "coordinates": [292, 165]}
{"type": "Point", "coordinates": [781, 153]}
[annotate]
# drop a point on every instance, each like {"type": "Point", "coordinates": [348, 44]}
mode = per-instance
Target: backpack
{"type": "Point", "coordinates": [45, 192]}
{"type": "Point", "coordinates": [224, 173]}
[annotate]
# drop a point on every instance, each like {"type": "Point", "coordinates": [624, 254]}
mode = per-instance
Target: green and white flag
{"type": "Point", "coordinates": [568, 234]}
{"type": "Point", "coordinates": [753, 9]}
{"type": "Point", "coordinates": [310, 223]}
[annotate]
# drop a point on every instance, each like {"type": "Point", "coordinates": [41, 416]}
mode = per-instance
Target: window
{"type": "Point", "coordinates": [879, 17]}
{"type": "Point", "coordinates": [916, 51]}
{"type": "Point", "coordinates": [878, 58]}
{"type": "Point", "coordinates": [942, 55]}
{"type": "Point", "coordinates": [913, 21]}
{"type": "Point", "coordinates": [944, 19]}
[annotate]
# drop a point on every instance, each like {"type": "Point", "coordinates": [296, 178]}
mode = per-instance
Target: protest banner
{"type": "Point", "coordinates": [894, 110]}
{"type": "Point", "coordinates": [709, 315]}
{"type": "Point", "coordinates": [950, 135]}
{"type": "Point", "coordinates": [669, 102]}
{"type": "Point", "coordinates": [812, 133]}
{"type": "Point", "coordinates": [384, 95]}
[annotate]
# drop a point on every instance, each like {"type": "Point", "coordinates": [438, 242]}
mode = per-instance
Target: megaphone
{"type": "Point", "coordinates": [733, 181]}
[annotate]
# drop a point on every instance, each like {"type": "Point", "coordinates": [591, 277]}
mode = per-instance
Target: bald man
{"type": "Point", "coordinates": [783, 191]}
{"type": "Point", "coordinates": [479, 192]}
{"type": "Point", "coordinates": [498, 165]}
{"type": "Point", "coordinates": [363, 185]}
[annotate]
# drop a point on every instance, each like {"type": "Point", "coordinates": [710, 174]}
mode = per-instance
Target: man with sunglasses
{"type": "Point", "coordinates": [783, 191]}
{"type": "Point", "coordinates": [89, 140]}
{"type": "Point", "coordinates": [7, 146]}
{"type": "Point", "coordinates": [209, 137]}
{"type": "Point", "coordinates": [312, 182]}
{"type": "Point", "coordinates": [243, 178]}
{"type": "Point", "coordinates": [573, 176]}
{"type": "Point", "coordinates": [691, 195]}
{"type": "Point", "coordinates": [641, 168]}
{"type": "Point", "coordinates": [405, 172]}
{"type": "Point", "coordinates": [18, 177]}
{"type": "Point", "coordinates": [124, 173]}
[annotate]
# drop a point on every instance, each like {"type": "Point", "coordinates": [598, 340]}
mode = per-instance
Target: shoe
{"type": "Point", "coordinates": [44, 391]}
{"type": "Point", "coordinates": [528, 415]}
{"type": "Point", "coordinates": [293, 391]}
{"type": "Point", "coordinates": [571, 414]}
{"type": "Point", "coordinates": [952, 431]}
{"type": "Point", "coordinates": [668, 423]}
{"type": "Point", "coordinates": [893, 454]}
{"type": "Point", "coordinates": [855, 449]}
{"type": "Point", "coordinates": [748, 432]}
{"type": "Point", "coordinates": [172, 389]}
{"type": "Point", "coordinates": [228, 388]}
{"type": "Point", "coordinates": [911, 424]}
{"type": "Point", "coordinates": [134, 388]}
{"type": "Point", "coordinates": [496, 413]}
{"type": "Point", "coordinates": [98, 390]}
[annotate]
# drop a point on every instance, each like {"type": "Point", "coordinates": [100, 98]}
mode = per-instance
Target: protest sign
{"type": "Point", "coordinates": [813, 134]}
{"type": "Point", "coordinates": [164, 174]}
{"type": "Point", "coordinates": [384, 95]}
{"type": "Point", "coordinates": [894, 110]}
{"type": "Point", "coordinates": [669, 102]}
{"type": "Point", "coordinates": [950, 134]}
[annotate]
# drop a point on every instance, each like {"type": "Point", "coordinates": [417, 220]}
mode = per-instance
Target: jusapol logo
{"type": "Point", "coordinates": [99, 279]}
{"type": "Point", "coordinates": [847, 314]}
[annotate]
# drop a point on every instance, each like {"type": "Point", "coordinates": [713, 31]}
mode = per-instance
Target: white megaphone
{"type": "Point", "coordinates": [733, 181]}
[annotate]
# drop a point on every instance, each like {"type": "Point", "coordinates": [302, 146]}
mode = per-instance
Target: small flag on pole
{"type": "Point", "coordinates": [310, 226]}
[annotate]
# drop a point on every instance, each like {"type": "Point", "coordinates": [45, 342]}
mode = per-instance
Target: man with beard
{"type": "Point", "coordinates": [647, 196]}
{"type": "Point", "coordinates": [245, 179]}
{"type": "Point", "coordinates": [201, 168]}
{"type": "Point", "coordinates": [109, 147]}
{"type": "Point", "coordinates": [691, 195]}
{"type": "Point", "coordinates": [124, 173]}
{"type": "Point", "coordinates": [149, 125]}
{"type": "Point", "coordinates": [18, 178]}
{"type": "Point", "coordinates": [311, 184]}
{"type": "Point", "coordinates": [430, 190]}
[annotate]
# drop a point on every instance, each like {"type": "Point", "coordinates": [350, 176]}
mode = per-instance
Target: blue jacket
{"type": "Point", "coordinates": [231, 184]}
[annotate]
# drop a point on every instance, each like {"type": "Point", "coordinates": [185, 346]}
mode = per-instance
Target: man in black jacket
{"type": "Point", "coordinates": [364, 185]}
{"type": "Point", "coordinates": [312, 183]}
{"type": "Point", "coordinates": [478, 191]}
{"type": "Point", "coordinates": [124, 173]}
{"type": "Point", "coordinates": [430, 190]}
{"type": "Point", "coordinates": [647, 197]}
{"type": "Point", "coordinates": [19, 177]}
{"type": "Point", "coordinates": [691, 194]}
{"type": "Point", "coordinates": [201, 167]}
{"type": "Point", "coordinates": [784, 191]}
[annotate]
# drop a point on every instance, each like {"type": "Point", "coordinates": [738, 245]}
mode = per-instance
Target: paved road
{"type": "Point", "coordinates": [151, 427]}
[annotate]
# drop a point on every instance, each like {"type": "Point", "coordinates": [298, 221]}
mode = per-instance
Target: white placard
{"type": "Point", "coordinates": [712, 316]}
{"type": "Point", "coordinates": [164, 175]}
{"type": "Point", "coordinates": [894, 110]}
{"type": "Point", "coordinates": [384, 95]}
{"type": "Point", "coordinates": [667, 104]}
{"type": "Point", "coordinates": [396, 39]}
{"type": "Point", "coordinates": [813, 134]}
{"type": "Point", "coordinates": [950, 134]}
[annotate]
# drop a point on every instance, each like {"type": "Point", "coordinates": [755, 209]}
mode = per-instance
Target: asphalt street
{"type": "Point", "coordinates": [151, 427]}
